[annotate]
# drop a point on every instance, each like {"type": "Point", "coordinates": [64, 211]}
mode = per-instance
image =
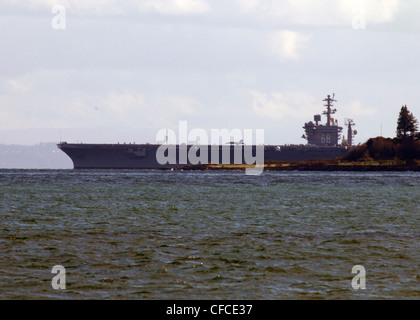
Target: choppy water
{"type": "Point", "coordinates": [217, 235]}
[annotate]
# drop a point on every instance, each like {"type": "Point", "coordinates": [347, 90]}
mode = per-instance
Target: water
{"type": "Point", "coordinates": [209, 235]}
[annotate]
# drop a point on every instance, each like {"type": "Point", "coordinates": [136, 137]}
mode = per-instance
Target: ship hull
{"type": "Point", "coordinates": [144, 156]}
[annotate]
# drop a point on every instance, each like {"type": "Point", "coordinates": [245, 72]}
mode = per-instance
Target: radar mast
{"type": "Point", "coordinates": [350, 133]}
{"type": "Point", "coordinates": [329, 110]}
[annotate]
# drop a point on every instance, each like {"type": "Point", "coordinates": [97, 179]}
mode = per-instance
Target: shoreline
{"type": "Point", "coordinates": [317, 165]}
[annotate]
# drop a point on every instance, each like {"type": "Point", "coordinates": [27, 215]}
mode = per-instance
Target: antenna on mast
{"type": "Point", "coordinates": [350, 132]}
{"type": "Point", "coordinates": [329, 111]}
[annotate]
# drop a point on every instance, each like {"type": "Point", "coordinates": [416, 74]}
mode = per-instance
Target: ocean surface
{"type": "Point", "coordinates": [209, 235]}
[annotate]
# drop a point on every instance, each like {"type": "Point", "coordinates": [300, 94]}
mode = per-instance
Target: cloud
{"type": "Point", "coordinates": [300, 12]}
{"type": "Point", "coordinates": [321, 12]}
{"type": "Point", "coordinates": [179, 104]}
{"type": "Point", "coordinates": [298, 104]}
{"type": "Point", "coordinates": [284, 105]}
{"type": "Point", "coordinates": [174, 7]}
{"type": "Point", "coordinates": [375, 11]}
{"type": "Point", "coordinates": [287, 44]}
{"type": "Point", "coordinates": [19, 85]}
{"type": "Point", "coordinates": [53, 99]}
{"type": "Point", "coordinates": [115, 7]}
{"type": "Point", "coordinates": [355, 108]}
{"type": "Point", "coordinates": [127, 109]}
{"type": "Point", "coordinates": [130, 109]}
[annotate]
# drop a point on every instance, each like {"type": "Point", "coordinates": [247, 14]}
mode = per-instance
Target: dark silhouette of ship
{"type": "Point", "coordinates": [322, 143]}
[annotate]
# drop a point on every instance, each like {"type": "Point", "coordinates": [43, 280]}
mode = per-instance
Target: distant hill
{"type": "Point", "coordinates": [39, 156]}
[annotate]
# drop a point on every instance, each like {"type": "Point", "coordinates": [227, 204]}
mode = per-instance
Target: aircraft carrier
{"type": "Point", "coordinates": [322, 143]}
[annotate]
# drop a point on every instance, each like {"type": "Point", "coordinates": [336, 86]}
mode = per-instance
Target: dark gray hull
{"type": "Point", "coordinates": [143, 156]}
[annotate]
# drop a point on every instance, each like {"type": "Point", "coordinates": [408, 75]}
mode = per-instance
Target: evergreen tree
{"type": "Point", "coordinates": [407, 125]}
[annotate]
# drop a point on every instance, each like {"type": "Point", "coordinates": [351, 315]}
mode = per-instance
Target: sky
{"type": "Point", "coordinates": [107, 71]}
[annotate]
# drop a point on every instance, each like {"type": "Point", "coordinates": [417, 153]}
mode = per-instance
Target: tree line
{"type": "Point", "coordinates": [405, 146]}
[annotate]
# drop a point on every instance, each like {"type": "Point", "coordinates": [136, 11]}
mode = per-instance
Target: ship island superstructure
{"type": "Point", "coordinates": [322, 143]}
{"type": "Point", "coordinates": [327, 134]}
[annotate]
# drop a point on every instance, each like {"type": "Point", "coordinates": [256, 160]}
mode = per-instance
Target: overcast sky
{"type": "Point", "coordinates": [122, 70]}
